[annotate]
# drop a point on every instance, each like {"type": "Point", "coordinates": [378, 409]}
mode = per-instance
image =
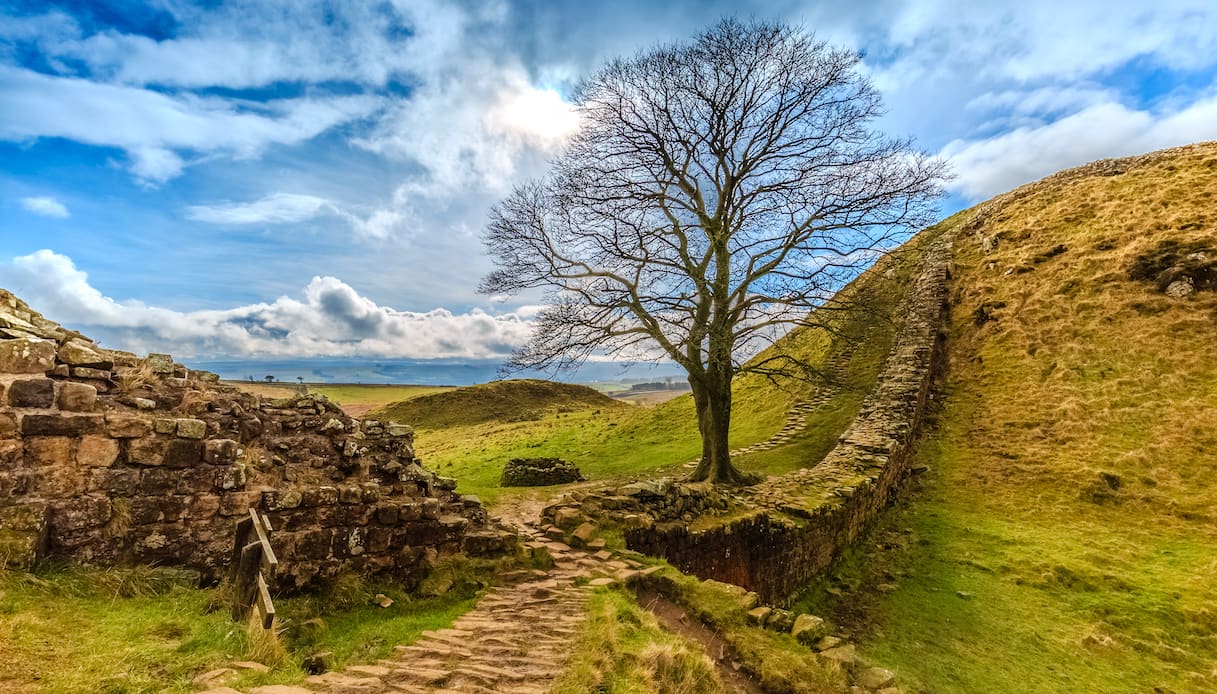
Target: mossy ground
{"type": "Point", "coordinates": [128, 631]}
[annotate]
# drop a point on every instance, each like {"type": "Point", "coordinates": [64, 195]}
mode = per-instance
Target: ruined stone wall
{"type": "Point", "coordinates": [785, 531]}
{"type": "Point", "coordinates": [109, 459]}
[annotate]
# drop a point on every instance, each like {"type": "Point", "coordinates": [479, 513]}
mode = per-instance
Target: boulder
{"type": "Point", "coordinates": [809, 629]}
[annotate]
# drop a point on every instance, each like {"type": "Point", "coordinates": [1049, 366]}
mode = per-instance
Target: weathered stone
{"type": "Point", "coordinates": [183, 453]}
{"type": "Point", "coordinates": [281, 499]}
{"type": "Point", "coordinates": [582, 535]}
{"type": "Point", "coordinates": [43, 451]}
{"type": "Point", "coordinates": [149, 450]}
{"type": "Point", "coordinates": [191, 428]}
{"type": "Point", "coordinates": [874, 678]}
{"type": "Point", "coordinates": [77, 352]}
{"type": "Point", "coordinates": [567, 517]}
{"type": "Point", "coordinates": [216, 678]}
{"type": "Point", "coordinates": [230, 477]}
{"type": "Point", "coordinates": [96, 451]}
{"type": "Point", "coordinates": [842, 654]}
{"type": "Point", "coordinates": [826, 643]}
{"type": "Point", "coordinates": [91, 373]}
{"type": "Point", "coordinates": [26, 356]}
{"type": "Point", "coordinates": [165, 426]}
{"type": "Point", "coordinates": [759, 615]}
{"type": "Point", "coordinates": [77, 397]}
{"type": "Point", "coordinates": [12, 451]}
{"type": "Point", "coordinates": [220, 451]}
{"type": "Point", "coordinates": [79, 513]}
{"type": "Point", "coordinates": [8, 424]}
{"type": "Point", "coordinates": [125, 426]}
{"type": "Point", "coordinates": [808, 629]}
{"type": "Point", "coordinates": [399, 430]}
{"type": "Point", "coordinates": [780, 620]}
{"type": "Point", "coordinates": [159, 363]}
{"type": "Point", "coordinates": [60, 425]}
{"type": "Point", "coordinates": [23, 534]}
{"type": "Point", "coordinates": [32, 393]}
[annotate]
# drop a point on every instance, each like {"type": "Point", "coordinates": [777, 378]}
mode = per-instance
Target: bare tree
{"type": "Point", "coordinates": [716, 192]}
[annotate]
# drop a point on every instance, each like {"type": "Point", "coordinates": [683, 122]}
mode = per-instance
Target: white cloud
{"type": "Point", "coordinates": [277, 208]}
{"type": "Point", "coordinates": [330, 318]}
{"type": "Point", "coordinates": [153, 127]}
{"type": "Point", "coordinates": [990, 166]}
{"type": "Point", "coordinates": [46, 206]}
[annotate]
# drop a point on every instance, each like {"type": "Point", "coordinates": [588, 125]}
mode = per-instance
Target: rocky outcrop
{"type": "Point", "coordinates": [106, 458]}
{"type": "Point", "coordinates": [781, 533]}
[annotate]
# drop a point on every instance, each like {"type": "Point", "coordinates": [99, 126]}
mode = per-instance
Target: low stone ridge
{"type": "Point", "coordinates": [539, 472]}
{"type": "Point", "coordinates": [638, 504]}
{"type": "Point", "coordinates": [783, 532]}
{"type": "Point", "coordinates": [106, 458]}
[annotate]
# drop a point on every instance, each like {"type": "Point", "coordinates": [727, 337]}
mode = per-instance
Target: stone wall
{"type": "Point", "coordinates": [109, 459]}
{"type": "Point", "coordinates": [781, 533]}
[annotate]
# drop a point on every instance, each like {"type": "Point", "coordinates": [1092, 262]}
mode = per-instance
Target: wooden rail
{"type": "Point", "coordinates": [253, 563]}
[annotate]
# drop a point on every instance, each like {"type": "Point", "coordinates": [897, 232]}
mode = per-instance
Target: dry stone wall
{"type": "Point", "coordinates": [785, 531]}
{"type": "Point", "coordinates": [106, 458]}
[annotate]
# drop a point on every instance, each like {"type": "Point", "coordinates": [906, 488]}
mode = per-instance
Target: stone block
{"type": "Point", "coordinates": [61, 425]}
{"type": "Point", "coordinates": [38, 392]}
{"type": "Point", "coordinates": [239, 503]}
{"type": "Point", "coordinates": [387, 514]}
{"type": "Point", "coordinates": [182, 453]}
{"type": "Point", "coordinates": [583, 535]}
{"type": "Point", "coordinates": [165, 426]}
{"type": "Point", "coordinates": [160, 363]}
{"type": "Point", "coordinates": [127, 426]}
{"type": "Point", "coordinates": [77, 352]}
{"type": "Point", "coordinates": [96, 451]}
{"type": "Point", "coordinates": [431, 508]}
{"type": "Point", "coordinates": [191, 428]}
{"type": "Point", "coordinates": [319, 496]}
{"type": "Point", "coordinates": [148, 451]}
{"type": "Point", "coordinates": [77, 397]}
{"type": "Point", "coordinates": [45, 451]}
{"type": "Point", "coordinates": [91, 373]}
{"type": "Point", "coordinates": [280, 499]}
{"type": "Point", "coordinates": [158, 482]}
{"type": "Point", "coordinates": [59, 482]}
{"type": "Point", "coordinates": [115, 481]}
{"type": "Point", "coordinates": [79, 513]}
{"type": "Point", "coordinates": [23, 534]}
{"type": "Point", "coordinates": [8, 423]}
{"type": "Point", "coordinates": [26, 356]}
{"type": "Point", "coordinates": [220, 451]}
{"type": "Point", "coordinates": [202, 506]}
{"type": "Point", "coordinates": [12, 452]}
{"type": "Point", "coordinates": [230, 477]}
{"type": "Point", "coordinates": [350, 494]}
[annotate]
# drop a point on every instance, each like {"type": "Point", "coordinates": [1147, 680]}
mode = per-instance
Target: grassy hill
{"type": "Point", "coordinates": [518, 400]}
{"type": "Point", "coordinates": [1066, 536]}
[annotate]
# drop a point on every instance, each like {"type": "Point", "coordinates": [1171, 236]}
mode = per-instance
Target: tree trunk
{"type": "Point", "coordinates": [712, 398]}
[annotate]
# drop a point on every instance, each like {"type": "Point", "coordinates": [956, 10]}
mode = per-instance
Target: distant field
{"type": "Point", "coordinates": [647, 397]}
{"type": "Point", "coordinates": [355, 399]}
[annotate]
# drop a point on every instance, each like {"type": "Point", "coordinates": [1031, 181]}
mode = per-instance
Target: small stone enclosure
{"type": "Point", "coordinates": [107, 458]}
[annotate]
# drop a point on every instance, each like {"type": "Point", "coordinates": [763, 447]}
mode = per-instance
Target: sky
{"type": "Point", "coordinates": [289, 178]}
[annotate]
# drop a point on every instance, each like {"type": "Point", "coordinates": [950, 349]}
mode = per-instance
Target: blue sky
{"type": "Point", "coordinates": [291, 178]}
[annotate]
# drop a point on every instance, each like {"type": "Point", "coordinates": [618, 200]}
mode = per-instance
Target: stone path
{"type": "Point", "coordinates": [516, 640]}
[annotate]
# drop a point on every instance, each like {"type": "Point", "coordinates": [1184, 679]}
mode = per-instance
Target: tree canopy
{"type": "Point", "coordinates": [715, 193]}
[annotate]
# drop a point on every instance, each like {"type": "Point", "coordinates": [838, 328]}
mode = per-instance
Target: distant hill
{"type": "Point", "coordinates": [503, 401]}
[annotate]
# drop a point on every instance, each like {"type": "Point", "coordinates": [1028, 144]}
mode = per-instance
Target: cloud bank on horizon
{"type": "Point", "coordinates": [198, 160]}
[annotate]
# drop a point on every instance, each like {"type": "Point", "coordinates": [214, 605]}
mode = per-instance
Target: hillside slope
{"type": "Point", "coordinates": [505, 401]}
{"type": "Point", "coordinates": [1065, 538]}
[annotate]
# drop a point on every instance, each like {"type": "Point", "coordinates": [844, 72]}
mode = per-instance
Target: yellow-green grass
{"type": "Point", "coordinates": [375, 395]}
{"type": "Point", "coordinates": [472, 437]}
{"type": "Point", "coordinates": [68, 630]}
{"type": "Point", "coordinates": [622, 649]}
{"type": "Point", "coordinates": [1071, 497]}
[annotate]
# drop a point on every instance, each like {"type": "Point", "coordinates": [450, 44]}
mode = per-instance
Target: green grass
{"type": "Point", "coordinates": [623, 650]}
{"type": "Point", "coordinates": [127, 631]}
